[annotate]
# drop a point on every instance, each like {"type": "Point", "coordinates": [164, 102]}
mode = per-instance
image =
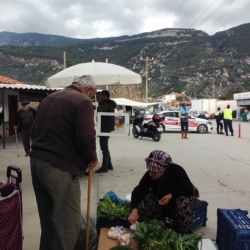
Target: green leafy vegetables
{"type": "Point", "coordinates": [121, 248]}
{"type": "Point", "coordinates": [154, 236]}
{"type": "Point", "coordinates": [107, 208]}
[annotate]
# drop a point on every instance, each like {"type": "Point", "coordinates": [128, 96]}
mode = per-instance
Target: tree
{"type": "Point", "coordinates": [179, 98]}
{"type": "Point", "coordinates": [131, 92]}
{"type": "Point", "coordinates": [135, 92]}
{"type": "Point", "coordinates": [233, 89]}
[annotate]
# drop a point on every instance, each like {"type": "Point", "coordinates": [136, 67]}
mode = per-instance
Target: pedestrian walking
{"type": "Point", "coordinates": [228, 117]}
{"type": "Point", "coordinates": [24, 120]}
{"type": "Point", "coordinates": [63, 146]}
{"type": "Point", "coordinates": [219, 118]}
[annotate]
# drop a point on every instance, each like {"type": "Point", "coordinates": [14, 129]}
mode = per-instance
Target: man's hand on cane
{"type": "Point", "coordinates": [93, 164]}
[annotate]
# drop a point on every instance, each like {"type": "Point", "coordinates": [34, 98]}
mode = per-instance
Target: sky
{"type": "Point", "coordinates": [107, 18]}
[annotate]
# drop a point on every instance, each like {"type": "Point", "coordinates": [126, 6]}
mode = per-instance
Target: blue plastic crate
{"type": "Point", "coordinates": [199, 213]}
{"type": "Point", "coordinates": [233, 229]}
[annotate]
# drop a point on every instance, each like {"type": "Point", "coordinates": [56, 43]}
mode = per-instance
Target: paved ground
{"type": "Point", "coordinates": [218, 166]}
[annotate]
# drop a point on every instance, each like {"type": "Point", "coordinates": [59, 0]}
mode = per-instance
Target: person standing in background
{"type": "Point", "coordinates": [219, 118]}
{"type": "Point", "coordinates": [183, 114]}
{"type": "Point", "coordinates": [24, 120]}
{"type": "Point", "coordinates": [202, 115]}
{"type": "Point", "coordinates": [107, 125]}
{"type": "Point", "coordinates": [228, 119]}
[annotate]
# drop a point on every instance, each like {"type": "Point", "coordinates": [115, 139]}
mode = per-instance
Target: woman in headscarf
{"type": "Point", "coordinates": [165, 188]}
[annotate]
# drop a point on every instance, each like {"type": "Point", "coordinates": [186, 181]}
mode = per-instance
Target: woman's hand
{"type": "Point", "coordinates": [165, 199]}
{"type": "Point", "coordinates": [133, 217]}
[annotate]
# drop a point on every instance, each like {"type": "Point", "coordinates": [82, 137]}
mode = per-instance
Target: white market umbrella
{"type": "Point", "coordinates": [103, 74]}
{"type": "Point", "coordinates": [127, 102]}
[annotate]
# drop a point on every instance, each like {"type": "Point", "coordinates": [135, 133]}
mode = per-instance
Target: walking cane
{"type": "Point", "coordinates": [88, 207]}
{"type": "Point", "coordinates": [17, 143]}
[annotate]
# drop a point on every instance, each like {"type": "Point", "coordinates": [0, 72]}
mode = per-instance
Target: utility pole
{"type": "Point", "coordinates": [107, 86]}
{"type": "Point", "coordinates": [64, 60]}
{"type": "Point", "coordinates": [213, 91]}
{"type": "Point", "coordinates": [147, 60]}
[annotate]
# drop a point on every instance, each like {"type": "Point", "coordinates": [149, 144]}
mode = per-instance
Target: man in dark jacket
{"type": "Point", "coordinates": [107, 125]}
{"type": "Point", "coordinates": [63, 146]}
{"type": "Point", "coordinates": [219, 117]}
{"type": "Point", "coordinates": [24, 120]}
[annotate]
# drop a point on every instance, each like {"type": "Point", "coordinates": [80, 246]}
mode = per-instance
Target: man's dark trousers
{"type": "Point", "coordinates": [219, 126]}
{"type": "Point", "coordinates": [58, 199]}
{"type": "Point", "coordinates": [228, 124]}
{"type": "Point", "coordinates": [106, 160]}
{"type": "Point", "coordinates": [25, 134]}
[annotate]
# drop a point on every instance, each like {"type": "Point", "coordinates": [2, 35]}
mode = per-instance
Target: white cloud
{"type": "Point", "coordinates": [105, 18]}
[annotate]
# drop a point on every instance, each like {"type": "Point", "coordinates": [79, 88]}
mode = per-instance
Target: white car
{"type": "Point", "coordinates": [172, 122]}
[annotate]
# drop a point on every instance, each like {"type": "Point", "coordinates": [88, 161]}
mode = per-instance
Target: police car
{"type": "Point", "coordinates": [172, 122]}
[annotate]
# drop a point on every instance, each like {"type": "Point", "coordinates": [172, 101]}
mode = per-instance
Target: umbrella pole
{"type": "Point", "coordinates": [97, 138]}
{"type": "Point", "coordinates": [88, 207]}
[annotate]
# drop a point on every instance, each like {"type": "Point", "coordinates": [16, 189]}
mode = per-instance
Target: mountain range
{"type": "Point", "coordinates": [184, 60]}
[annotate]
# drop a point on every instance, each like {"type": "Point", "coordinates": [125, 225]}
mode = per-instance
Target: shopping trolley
{"type": "Point", "coordinates": [11, 214]}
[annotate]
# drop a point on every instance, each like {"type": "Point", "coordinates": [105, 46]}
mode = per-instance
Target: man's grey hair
{"type": "Point", "coordinates": [85, 81]}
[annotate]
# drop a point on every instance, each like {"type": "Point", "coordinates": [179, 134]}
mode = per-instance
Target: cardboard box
{"type": "Point", "coordinates": [105, 243]}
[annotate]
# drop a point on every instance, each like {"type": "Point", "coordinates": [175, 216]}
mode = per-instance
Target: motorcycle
{"type": "Point", "coordinates": [151, 129]}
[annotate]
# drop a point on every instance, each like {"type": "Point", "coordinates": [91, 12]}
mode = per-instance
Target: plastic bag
{"type": "Point", "coordinates": [115, 232]}
{"type": "Point", "coordinates": [133, 226]}
{"type": "Point", "coordinates": [93, 236]}
{"type": "Point", "coordinates": [128, 197]}
{"type": "Point", "coordinates": [124, 240]}
{"type": "Point", "coordinates": [112, 195]}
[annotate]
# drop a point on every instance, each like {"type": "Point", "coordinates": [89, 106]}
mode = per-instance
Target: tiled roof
{"type": "Point", "coordinates": [7, 80]}
{"type": "Point", "coordinates": [23, 86]}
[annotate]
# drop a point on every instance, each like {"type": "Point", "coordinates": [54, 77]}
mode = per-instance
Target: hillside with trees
{"type": "Point", "coordinates": [185, 60]}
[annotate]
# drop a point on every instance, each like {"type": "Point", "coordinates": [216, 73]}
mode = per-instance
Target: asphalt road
{"type": "Point", "coordinates": [219, 166]}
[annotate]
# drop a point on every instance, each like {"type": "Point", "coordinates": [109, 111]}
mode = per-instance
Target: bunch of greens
{"type": "Point", "coordinates": [186, 242]}
{"type": "Point", "coordinates": [154, 236]}
{"type": "Point", "coordinates": [107, 208]}
{"type": "Point", "coordinates": [121, 248]}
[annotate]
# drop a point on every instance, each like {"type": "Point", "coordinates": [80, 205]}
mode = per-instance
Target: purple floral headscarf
{"type": "Point", "coordinates": [158, 161]}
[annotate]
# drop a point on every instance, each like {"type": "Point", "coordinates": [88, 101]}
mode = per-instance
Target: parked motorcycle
{"type": "Point", "coordinates": [152, 129]}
